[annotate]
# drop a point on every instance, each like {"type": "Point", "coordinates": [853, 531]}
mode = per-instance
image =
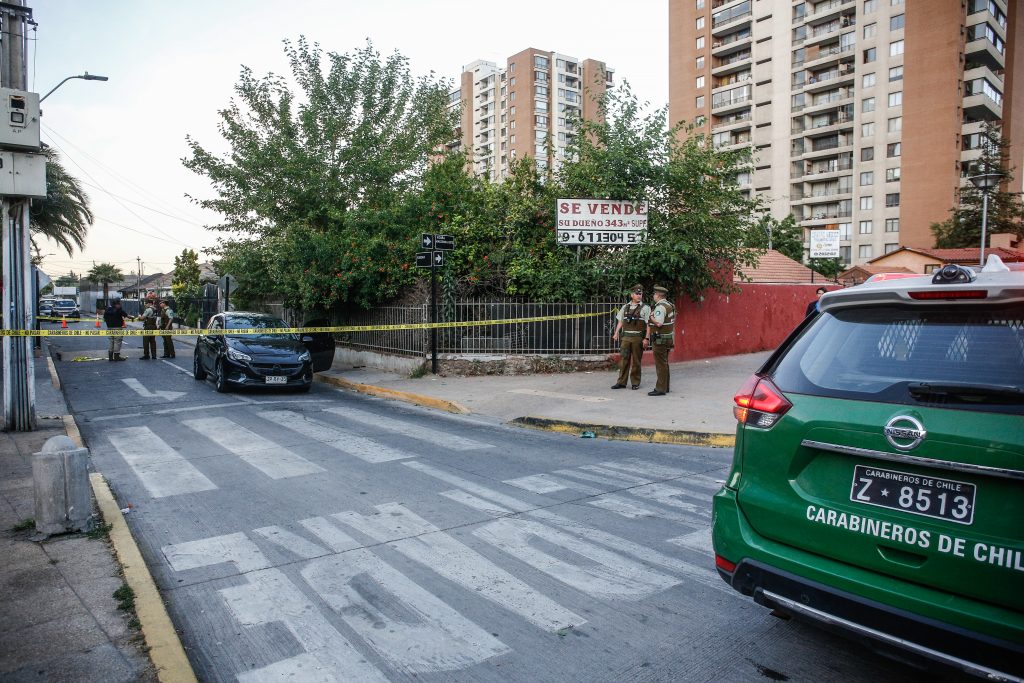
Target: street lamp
{"type": "Point", "coordinates": [985, 182]}
{"type": "Point", "coordinates": [85, 77]}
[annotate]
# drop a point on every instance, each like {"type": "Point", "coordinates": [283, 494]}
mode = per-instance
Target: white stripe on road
{"type": "Point", "coordinates": [409, 627]}
{"type": "Point", "coordinates": [567, 397]}
{"type": "Point", "coordinates": [414, 431]}
{"type": "Point", "coordinates": [469, 500]}
{"type": "Point", "coordinates": [537, 483]}
{"type": "Point", "coordinates": [458, 563]}
{"type": "Point", "coordinates": [187, 371]}
{"type": "Point", "coordinates": [291, 542]}
{"type": "Point", "coordinates": [189, 409]}
{"type": "Point", "coordinates": [236, 549]}
{"type": "Point", "coordinates": [621, 505]}
{"type": "Point", "coordinates": [269, 597]}
{"type": "Point", "coordinates": [336, 539]}
{"type": "Point", "coordinates": [366, 449]}
{"type": "Point", "coordinates": [699, 541]}
{"type": "Point", "coordinates": [277, 462]}
{"type": "Point", "coordinates": [661, 472]}
{"type": "Point", "coordinates": [666, 495]}
{"type": "Point", "coordinates": [158, 466]}
{"type": "Point", "coordinates": [476, 489]}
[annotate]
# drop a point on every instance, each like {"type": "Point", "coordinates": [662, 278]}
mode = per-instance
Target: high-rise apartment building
{"type": "Point", "coordinates": [864, 115]}
{"type": "Point", "coordinates": [530, 106]}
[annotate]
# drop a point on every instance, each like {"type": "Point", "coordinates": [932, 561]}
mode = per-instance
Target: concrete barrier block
{"type": "Point", "coordinates": [60, 479]}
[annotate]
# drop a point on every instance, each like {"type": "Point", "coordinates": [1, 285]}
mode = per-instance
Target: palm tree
{"type": "Point", "coordinates": [64, 216]}
{"type": "Point", "coordinates": [104, 273]}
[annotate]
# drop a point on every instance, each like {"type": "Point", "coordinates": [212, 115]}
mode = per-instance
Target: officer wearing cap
{"type": "Point", "coordinates": [632, 329]}
{"type": "Point", "coordinates": [661, 334]}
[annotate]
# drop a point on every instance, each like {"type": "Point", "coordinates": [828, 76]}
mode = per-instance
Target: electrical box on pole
{"type": "Point", "coordinates": [22, 175]}
{"type": "Point", "coordinates": [19, 127]}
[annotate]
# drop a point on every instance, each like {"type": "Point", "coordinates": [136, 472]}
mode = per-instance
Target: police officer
{"type": "Point", "coordinates": [114, 317]}
{"type": "Point", "coordinates": [167, 323]}
{"type": "Point", "coordinates": [661, 334]}
{"type": "Point", "coordinates": [149, 322]}
{"type": "Point", "coordinates": [632, 328]}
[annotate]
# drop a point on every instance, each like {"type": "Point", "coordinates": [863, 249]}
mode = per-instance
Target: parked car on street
{"type": "Point", "coordinates": [877, 484]}
{"type": "Point", "coordinates": [260, 359]}
{"type": "Point", "coordinates": [45, 308]}
{"type": "Point", "coordinates": [66, 308]}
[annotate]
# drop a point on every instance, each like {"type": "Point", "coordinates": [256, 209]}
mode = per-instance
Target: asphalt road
{"type": "Point", "coordinates": [330, 536]}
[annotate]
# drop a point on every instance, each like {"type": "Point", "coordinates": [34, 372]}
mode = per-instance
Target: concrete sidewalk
{"type": "Point", "coordinates": [59, 620]}
{"type": "Point", "coordinates": [700, 402]}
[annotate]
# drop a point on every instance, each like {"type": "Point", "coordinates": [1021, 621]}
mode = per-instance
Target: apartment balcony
{"type": "Point", "coordinates": [736, 121]}
{"type": "Point", "coordinates": [720, 47]}
{"type": "Point", "coordinates": [829, 31]}
{"type": "Point", "coordinates": [731, 17]}
{"type": "Point", "coordinates": [824, 104]}
{"type": "Point", "coordinates": [826, 148]}
{"type": "Point", "coordinates": [730, 81]}
{"type": "Point", "coordinates": [818, 217]}
{"type": "Point", "coordinates": [731, 100]}
{"type": "Point", "coordinates": [827, 55]}
{"type": "Point", "coordinates": [731, 63]}
{"type": "Point", "coordinates": [981, 106]}
{"type": "Point", "coordinates": [984, 52]}
{"type": "Point", "coordinates": [824, 11]}
{"type": "Point", "coordinates": [828, 171]}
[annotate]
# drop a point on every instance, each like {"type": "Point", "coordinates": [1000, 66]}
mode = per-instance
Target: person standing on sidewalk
{"type": "Point", "coordinates": [114, 317]}
{"type": "Point", "coordinates": [149, 322]}
{"type": "Point", "coordinates": [632, 328]}
{"type": "Point", "coordinates": [661, 333]}
{"type": "Point", "coordinates": [167, 323]}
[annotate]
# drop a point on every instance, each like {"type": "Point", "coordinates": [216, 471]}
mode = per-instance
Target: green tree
{"type": "Point", "coordinates": [185, 285]}
{"type": "Point", "coordinates": [104, 274]}
{"type": "Point", "coordinates": [69, 280]}
{"type": "Point", "coordinates": [312, 191]}
{"type": "Point", "coordinates": [1005, 210]}
{"type": "Point", "coordinates": [784, 236]}
{"type": "Point", "coordinates": [64, 215]}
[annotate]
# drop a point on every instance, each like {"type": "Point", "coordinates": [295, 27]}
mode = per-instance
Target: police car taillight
{"type": "Point", "coordinates": [759, 403]}
{"type": "Point", "coordinates": [949, 294]}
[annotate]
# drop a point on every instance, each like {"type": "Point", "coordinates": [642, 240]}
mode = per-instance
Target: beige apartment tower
{"type": "Point", "coordinates": [529, 106]}
{"type": "Point", "coordinates": [864, 115]}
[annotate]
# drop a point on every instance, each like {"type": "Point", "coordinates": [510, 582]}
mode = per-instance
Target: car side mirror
{"type": "Point", "coordinates": [306, 338]}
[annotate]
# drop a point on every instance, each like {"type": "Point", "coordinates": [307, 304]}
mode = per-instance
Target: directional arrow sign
{"type": "Point", "coordinates": [438, 258]}
{"type": "Point", "coordinates": [444, 242]}
{"type": "Point", "coordinates": [424, 259]}
{"type": "Point", "coordinates": [426, 240]}
{"type": "Point", "coordinates": [136, 386]}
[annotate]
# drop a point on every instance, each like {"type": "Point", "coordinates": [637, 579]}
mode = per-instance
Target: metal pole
{"type": "Point", "coordinates": [984, 225]}
{"type": "Point", "coordinates": [18, 365]}
{"type": "Point", "coordinates": [433, 316]}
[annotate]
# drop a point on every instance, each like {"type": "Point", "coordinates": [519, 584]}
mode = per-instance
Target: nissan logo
{"type": "Point", "coordinates": [904, 432]}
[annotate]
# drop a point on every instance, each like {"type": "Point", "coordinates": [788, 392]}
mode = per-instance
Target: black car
{"type": "Point", "coordinates": [272, 359]}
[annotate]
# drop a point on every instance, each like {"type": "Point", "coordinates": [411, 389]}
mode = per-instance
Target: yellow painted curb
{"type": "Point", "coordinates": [165, 650]}
{"type": "Point", "coordinates": [620, 433]}
{"type": "Point", "coordinates": [416, 399]}
{"type": "Point", "coordinates": [54, 378]}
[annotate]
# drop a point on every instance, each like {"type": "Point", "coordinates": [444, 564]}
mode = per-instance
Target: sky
{"type": "Point", "coordinates": [172, 67]}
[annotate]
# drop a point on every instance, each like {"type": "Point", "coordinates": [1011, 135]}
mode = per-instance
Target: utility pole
{"type": "Point", "coordinates": [138, 283]}
{"type": "Point", "coordinates": [18, 361]}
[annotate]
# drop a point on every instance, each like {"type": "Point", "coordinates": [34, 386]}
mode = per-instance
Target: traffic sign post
{"type": "Point", "coordinates": [433, 259]}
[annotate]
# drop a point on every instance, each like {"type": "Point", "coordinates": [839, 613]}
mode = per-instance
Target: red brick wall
{"type": "Point", "coordinates": [758, 318]}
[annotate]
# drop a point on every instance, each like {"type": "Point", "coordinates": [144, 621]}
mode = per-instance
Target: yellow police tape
{"type": "Point", "coordinates": [191, 332]}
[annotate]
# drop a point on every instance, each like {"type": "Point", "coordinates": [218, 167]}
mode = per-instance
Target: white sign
{"type": "Point", "coordinates": [601, 221]}
{"type": "Point", "coordinates": [824, 244]}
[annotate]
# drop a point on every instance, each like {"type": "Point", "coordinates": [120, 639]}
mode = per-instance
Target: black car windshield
{"type": "Point", "coordinates": [954, 357]}
{"type": "Point", "coordinates": [255, 322]}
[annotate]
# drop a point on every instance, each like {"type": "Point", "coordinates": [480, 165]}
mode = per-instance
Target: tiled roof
{"type": "Point", "coordinates": [777, 267]}
{"type": "Point", "coordinates": [965, 255]}
{"type": "Point", "coordinates": [876, 269]}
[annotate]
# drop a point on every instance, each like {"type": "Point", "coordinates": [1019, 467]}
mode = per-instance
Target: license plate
{"type": "Point", "coordinates": [276, 379]}
{"type": "Point", "coordinates": [917, 494]}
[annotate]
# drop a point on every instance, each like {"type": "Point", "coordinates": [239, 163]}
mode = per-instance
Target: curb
{"type": "Point", "coordinates": [619, 433]}
{"type": "Point", "coordinates": [405, 396]}
{"type": "Point", "coordinates": [165, 649]}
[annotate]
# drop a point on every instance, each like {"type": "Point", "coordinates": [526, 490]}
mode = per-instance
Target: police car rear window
{"type": "Point", "coordinates": [963, 358]}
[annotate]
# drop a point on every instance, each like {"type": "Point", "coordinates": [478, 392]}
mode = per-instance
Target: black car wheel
{"type": "Point", "coordinates": [197, 367]}
{"type": "Point", "coordinates": [220, 378]}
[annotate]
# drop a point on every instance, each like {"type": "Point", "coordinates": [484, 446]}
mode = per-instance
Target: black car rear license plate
{"type": "Point", "coordinates": [917, 494]}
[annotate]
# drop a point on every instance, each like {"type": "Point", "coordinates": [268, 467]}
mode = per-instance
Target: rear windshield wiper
{"type": "Point", "coordinates": [966, 391]}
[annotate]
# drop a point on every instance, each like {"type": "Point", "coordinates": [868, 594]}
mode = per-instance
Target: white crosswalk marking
{"type": "Point", "coordinates": [621, 505]}
{"type": "Point", "coordinates": [336, 539]}
{"type": "Point", "coordinates": [466, 485]}
{"type": "Point", "coordinates": [268, 596]}
{"type": "Point", "coordinates": [638, 466]}
{"type": "Point", "coordinates": [595, 478]}
{"type": "Point", "coordinates": [460, 564]}
{"type": "Point", "coordinates": [414, 431]}
{"type": "Point", "coordinates": [366, 449]}
{"type": "Point", "coordinates": [699, 541]}
{"type": "Point", "coordinates": [291, 542]}
{"type": "Point", "coordinates": [272, 460]}
{"type": "Point", "coordinates": [158, 466]}
{"type": "Point", "coordinates": [429, 635]}
{"type": "Point", "coordinates": [667, 495]}
{"type": "Point", "coordinates": [537, 483]}
{"type": "Point", "coordinates": [235, 548]}
{"type": "Point", "coordinates": [469, 500]}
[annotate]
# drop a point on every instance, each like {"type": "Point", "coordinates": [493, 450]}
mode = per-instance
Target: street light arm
{"type": "Point", "coordinates": [85, 77]}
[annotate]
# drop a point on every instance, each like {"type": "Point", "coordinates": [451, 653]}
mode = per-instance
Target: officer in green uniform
{"type": "Point", "coordinates": [661, 333]}
{"type": "Point", "coordinates": [149, 322]}
{"type": "Point", "coordinates": [632, 329]}
{"type": "Point", "coordinates": [167, 323]}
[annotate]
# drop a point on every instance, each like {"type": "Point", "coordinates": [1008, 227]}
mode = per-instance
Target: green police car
{"type": "Point", "coordinates": [877, 485]}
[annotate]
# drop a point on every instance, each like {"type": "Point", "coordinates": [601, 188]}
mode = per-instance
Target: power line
{"type": "Point", "coordinates": [112, 172]}
{"type": "Point", "coordinates": [148, 208]}
{"type": "Point", "coordinates": [171, 239]}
